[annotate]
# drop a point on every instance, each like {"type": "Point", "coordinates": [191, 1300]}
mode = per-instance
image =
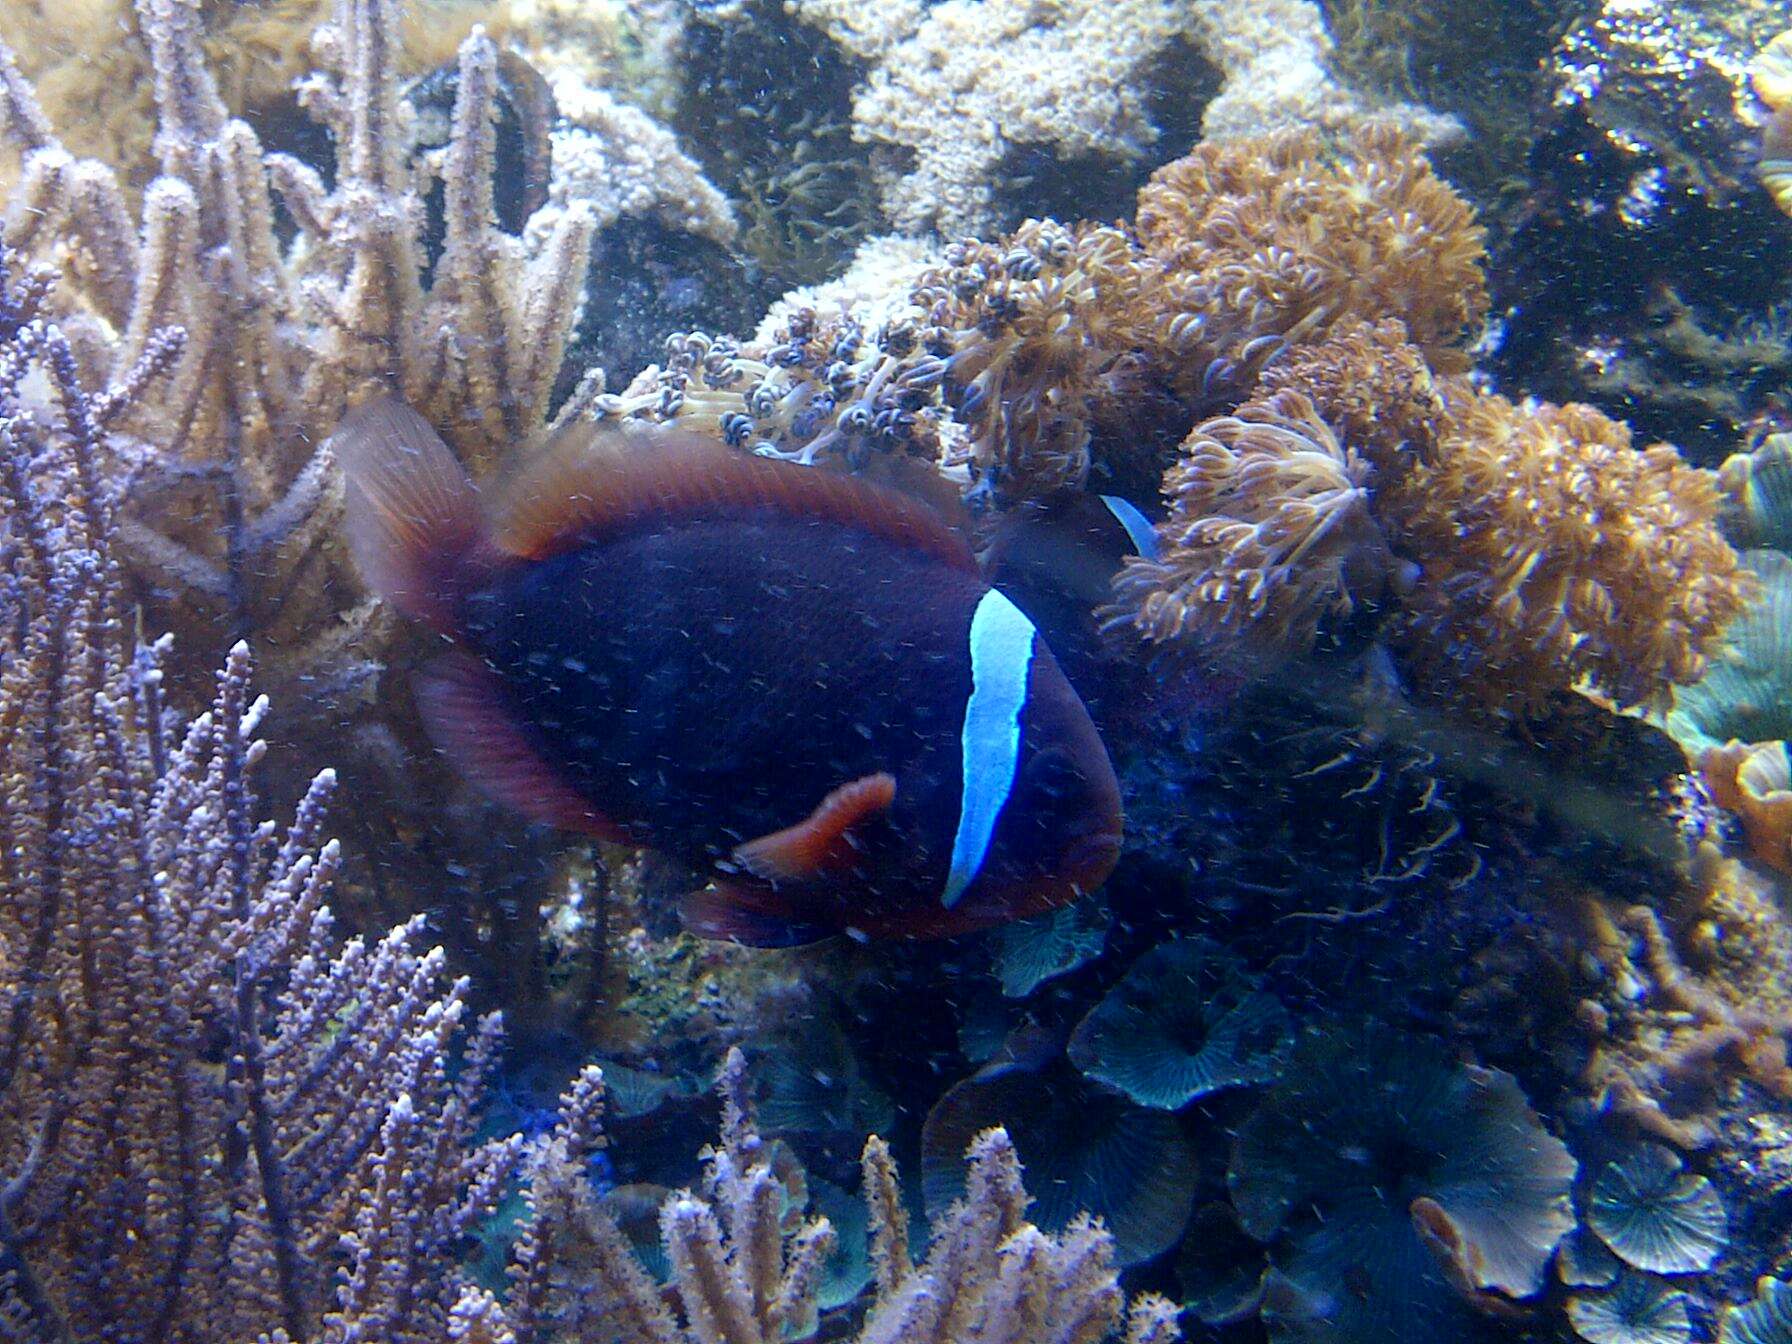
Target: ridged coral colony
{"type": "Point", "coordinates": [233, 525]}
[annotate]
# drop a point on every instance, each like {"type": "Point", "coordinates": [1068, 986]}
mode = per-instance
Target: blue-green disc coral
{"type": "Point", "coordinates": [944, 671]}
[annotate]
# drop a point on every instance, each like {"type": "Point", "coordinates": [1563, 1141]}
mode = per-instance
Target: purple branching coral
{"type": "Point", "coordinates": [220, 1121]}
{"type": "Point", "coordinates": [747, 1262]}
{"type": "Point", "coordinates": [217, 1119]}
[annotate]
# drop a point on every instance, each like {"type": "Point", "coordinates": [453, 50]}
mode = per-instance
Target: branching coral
{"type": "Point", "coordinates": [1270, 531]}
{"type": "Point", "coordinates": [1090, 1152]}
{"type": "Point", "coordinates": [747, 1270]}
{"type": "Point", "coordinates": [215, 1116]}
{"type": "Point", "coordinates": [1550, 552]}
{"type": "Point", "coordinates": [232, 529]}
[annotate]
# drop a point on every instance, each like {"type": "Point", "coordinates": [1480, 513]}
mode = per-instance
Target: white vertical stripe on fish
{"type": "Point", "coordinates": [1001, 659]}
{"type": "Point", "coordinates": [1138, 526]}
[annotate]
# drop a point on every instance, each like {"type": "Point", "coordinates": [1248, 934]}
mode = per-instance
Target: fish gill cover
{"type": "Point", "coordinates": [1442, 984]}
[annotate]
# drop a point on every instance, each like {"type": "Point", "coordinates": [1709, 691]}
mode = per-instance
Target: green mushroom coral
{"type": "Point", "coordinates": [1186, 1021]}
{"type": "Point", "coordinates": [1394, 1185]}
{"type": "Point", "coordinates": [1656, 1215]}
{"type": "Point", "coordinates": [1766, 1320]}
{"type": "Point", "coordinates": [1640, 1310]}
{"type": "Point", "coordinates": [1746, 693]}
{"type": "Point", "coordinates": [1757, 489]}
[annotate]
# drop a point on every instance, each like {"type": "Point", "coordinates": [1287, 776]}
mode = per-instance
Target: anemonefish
{"type": "Point", "coordinates": [798, 683]}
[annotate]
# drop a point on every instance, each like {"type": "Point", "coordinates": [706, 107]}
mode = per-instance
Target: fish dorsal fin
{"type": "Point", "coordinates": [821, 842]}
{"type": "Point", "coordinates": [593, 481]}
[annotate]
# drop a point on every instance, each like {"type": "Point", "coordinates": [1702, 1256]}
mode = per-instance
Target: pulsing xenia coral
{"type": "Point", "coordinates": [1024, 328]}
{"type": "Point", "coordinates": [1270, 530]}
{"type": "Point", "coordinates": [821, 390]}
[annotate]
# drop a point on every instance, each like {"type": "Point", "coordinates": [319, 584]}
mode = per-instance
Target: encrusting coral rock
{"type": "Point", "coordinates": [1662, 1061]}
{"type": "Point", "coordinates": [958, 83]}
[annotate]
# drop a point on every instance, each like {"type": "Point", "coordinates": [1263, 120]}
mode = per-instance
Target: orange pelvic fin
{"type": "Point", "coordinates": [464, 714]}
{"type": "Point", "coordinates": [729, 913]}
{"type": "Point", "coordinates": [823, 841]}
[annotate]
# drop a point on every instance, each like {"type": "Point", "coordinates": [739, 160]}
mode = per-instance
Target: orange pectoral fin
{"type": "Point", "coordinates": [822, 842]}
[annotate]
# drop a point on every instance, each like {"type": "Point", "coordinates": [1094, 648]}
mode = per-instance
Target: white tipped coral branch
{"type": "Point", "coordinates": [744, 1271]}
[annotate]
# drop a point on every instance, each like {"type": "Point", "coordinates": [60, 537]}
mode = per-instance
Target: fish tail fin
{"type": "Point", "coordinates": [412, 514]}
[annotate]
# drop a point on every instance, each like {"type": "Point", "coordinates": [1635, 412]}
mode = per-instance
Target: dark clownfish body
{"type": "Point", "coordinates": [797, 683]}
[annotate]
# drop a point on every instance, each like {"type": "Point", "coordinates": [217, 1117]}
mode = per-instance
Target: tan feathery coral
{"type": "Point", "coordinates": [1025, 326]}
{"type": "Point", "coordinates": [232, 530]}
{"type": "Point", "coordinates": [1373, 387]}
{"type": "Point", "coordinates": [1269, 532]}
{"type": "Point", "coordinates": [1287, 235]}
{"type": "Point", "coordinates": [1550, 552]}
